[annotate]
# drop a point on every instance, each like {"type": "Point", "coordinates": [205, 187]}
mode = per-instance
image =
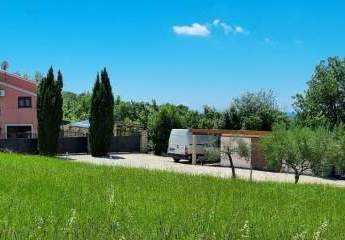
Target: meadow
{"type": "Point", "coordinates": [50, 198]}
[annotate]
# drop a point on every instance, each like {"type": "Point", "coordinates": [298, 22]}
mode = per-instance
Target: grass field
{"type": "Point", "coordinates": [47, 198]}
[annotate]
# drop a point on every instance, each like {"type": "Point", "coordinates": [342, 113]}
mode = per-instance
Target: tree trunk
{"type": "Point", "coordinates": [232, 166]}
{"type": "Point", "coordinates": [296, 178]}
{"type": "Point", "coordinates": [251, 171]}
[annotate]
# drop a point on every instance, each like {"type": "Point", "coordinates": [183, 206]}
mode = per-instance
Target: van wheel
{"type": "Point", "coordinates": [176, 159]}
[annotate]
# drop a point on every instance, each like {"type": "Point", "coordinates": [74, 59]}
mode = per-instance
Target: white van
{"type": "Point", "coordinates": [181, 143]}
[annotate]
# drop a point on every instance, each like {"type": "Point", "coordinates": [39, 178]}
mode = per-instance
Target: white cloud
{"type": "Point", "coordinates": [226, 28]}
{"type": "Point", "coordinates": [195, 29]}
{"type": "Point", "coordinates": [216, 22]}
{"type": "Point", "coordinates": [239, 29]}
{"type": "Point", "coordinates": [203, 30]}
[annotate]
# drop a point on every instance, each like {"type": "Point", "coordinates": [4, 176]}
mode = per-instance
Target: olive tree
{"type": "Point", "coordinates": [236, 146]}
{"type": "Point", "coordinates": [299, 149]}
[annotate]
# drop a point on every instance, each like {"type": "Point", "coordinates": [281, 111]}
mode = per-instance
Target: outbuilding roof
{"type": "Point", "coordinates": [231, 133]}
{"type": "Point", "coordinates": [81, 124]}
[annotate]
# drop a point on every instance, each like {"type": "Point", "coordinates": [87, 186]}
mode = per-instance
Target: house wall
{"type": "Point", "coordinates": [10, 114]}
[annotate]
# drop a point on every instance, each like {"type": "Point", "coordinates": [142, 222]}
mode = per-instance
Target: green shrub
{"type": "Point", "coordinates": [212, 154]}
{"type": "Point", "coordinates": [339, 148]}
{"type": "Point", "coordinates": [160, 125]}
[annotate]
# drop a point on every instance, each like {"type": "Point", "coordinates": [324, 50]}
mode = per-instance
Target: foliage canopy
{"type": "Point", "coordinates": [323, 104]}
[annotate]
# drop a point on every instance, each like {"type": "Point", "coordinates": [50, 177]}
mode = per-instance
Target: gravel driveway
{"type": "Point", "coordinates": [148, 161]}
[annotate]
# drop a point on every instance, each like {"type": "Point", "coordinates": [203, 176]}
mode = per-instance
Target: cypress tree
{"type": "Point", "coordinates": [101, 116]}
{"type": "Point", "coordinates": [49, 112]}
{"type": "Point", "coordinates": [109, 108]}
{"type": "Point", "coordinates": [94, 120]}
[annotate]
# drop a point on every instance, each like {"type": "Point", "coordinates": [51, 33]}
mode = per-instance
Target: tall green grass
{"type": "Point", "coordinates": [48, 198]}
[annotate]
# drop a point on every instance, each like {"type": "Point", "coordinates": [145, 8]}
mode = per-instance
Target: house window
{"type": "Point", "coordinates": [24, 102]}
{"type": "Point", "coordinates": [20, 131]}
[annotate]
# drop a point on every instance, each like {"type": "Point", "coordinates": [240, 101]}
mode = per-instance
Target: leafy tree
{"type": "Point", "coordinates": [38, 77]}
{"type": "Point", "coordinates": [232, 119]}
{"type": "Point", "coordinates": [190, 119]}
{"type": "Point", "coordinates": [299, 149]}
{"type": "Point", "coordinates": [49, 112]}
{"type": "Point", "coordinates": [101, 116]}
{"type": "Point", "coordinates": [76, 107]}
{"type": "Point", "coordinates": [160, 125]}
{"type": "Point", "coordinates": [323, 104]}
{"type": "Point", "coordinates": [253, 111]}
{"type": "Point", "coordinates": [133, 112]}
{"type": "Point", "coordinates": [211, 118]}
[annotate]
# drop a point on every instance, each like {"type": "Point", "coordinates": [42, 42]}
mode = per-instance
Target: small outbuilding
{"type": "Point", "coordinates": [256, 159]}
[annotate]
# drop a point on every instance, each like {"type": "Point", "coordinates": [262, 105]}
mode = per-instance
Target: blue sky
{"type": "Point", "coordinates": [190, 52]}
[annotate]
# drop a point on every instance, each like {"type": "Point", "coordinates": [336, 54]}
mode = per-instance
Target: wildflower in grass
{"type": "Point", "coordinates": [212, 215]}
{"type": "Point", "coordinates": [322, 229]}
{"type": "Point", "coordinates": [40, 228]}
{"type": "Point", "coordinates": [245, 230]}
{"type": "Point", "coordinates": [73, 218]}
{"type": "Point", "coordinates": [39, 223]}
{"type": "Point", "coordinates": [300, 236]}
{"type": "Point", "coordinates": [70, 225]}
{"type": "Point", "coordinates": [112, 198]}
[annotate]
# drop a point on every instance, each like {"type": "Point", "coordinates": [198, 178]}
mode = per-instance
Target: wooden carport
{"type": "Point", "coordinates": [224, 133]}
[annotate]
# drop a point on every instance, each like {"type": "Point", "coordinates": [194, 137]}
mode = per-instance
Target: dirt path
{"type": "Point", "coordinates": [148, 161]}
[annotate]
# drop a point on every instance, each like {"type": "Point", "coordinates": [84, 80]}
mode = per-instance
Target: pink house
{"type": "Point", "coordinates": [17, 106]}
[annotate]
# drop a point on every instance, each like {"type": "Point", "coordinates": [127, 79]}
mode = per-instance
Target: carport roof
{"type": "Point", "coordinates": [81, 124]}
{"type": "Point", "coordinates": [230, 133]}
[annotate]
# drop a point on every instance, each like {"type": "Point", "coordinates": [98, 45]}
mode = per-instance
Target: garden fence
{"type": "Point", "coordinates": [70, 144]}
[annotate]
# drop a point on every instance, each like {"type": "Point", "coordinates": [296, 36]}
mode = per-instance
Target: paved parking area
{"type": "Point", "coordinates": [148, 161]}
